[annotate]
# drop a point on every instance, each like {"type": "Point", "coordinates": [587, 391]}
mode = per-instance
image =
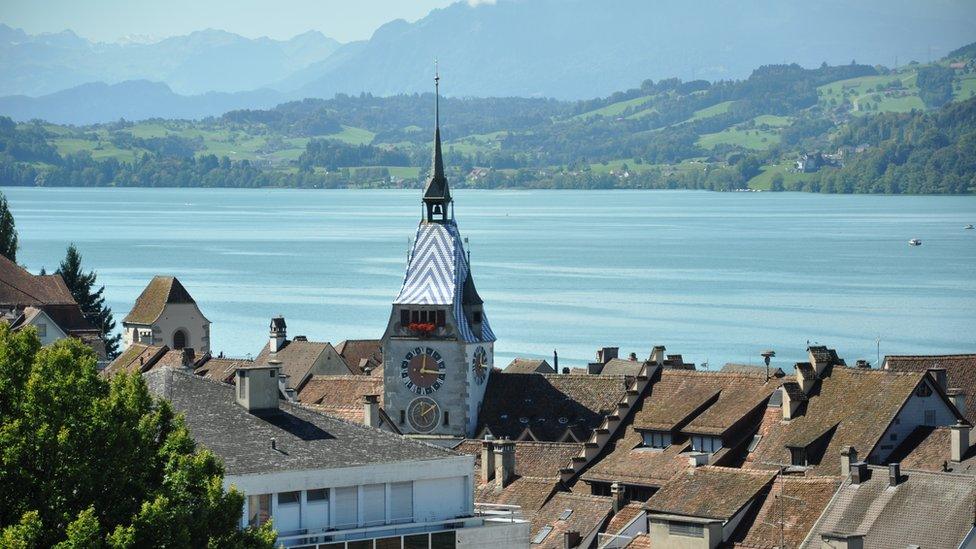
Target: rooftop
{"type": "Point", "coordinates": [341, 395]}
{"type": "Point", "coordinates": [19, 288]}
{"type": "Point", "coordinates": [135, 359]}
{"type": "Point", "coordinates": [528, 366]}
{"type": "Point", "coordinates": [356, 351]}
{"type": "Point", "coordinates": [305, 439]}
{"type": "Point", "coordinates": [928, 449]}
{"type": "Point", "coordinates": [925, 509]}
{"type": "Point", "coordinates": [960, 370]}
{"type": "Point", "coordinates": [622, 367]}
{"type": "Point", "coordinates": [788, 510]}
{"type": "Point", "coordinates": [297, 357]}
{"type": "Point", "coordinates": [553, 407]}
{"type": "Point", "coordinates": [161, 291]}
{"type": "Point", "coordinates": [709, 492]}
{"type": "Point", "coordinates": [583, 513]}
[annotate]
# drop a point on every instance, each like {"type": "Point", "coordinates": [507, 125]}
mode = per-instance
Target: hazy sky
{"type": "Point", "coordinates": [109, 20]}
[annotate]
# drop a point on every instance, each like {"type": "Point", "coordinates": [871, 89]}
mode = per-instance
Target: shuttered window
{"type": "Point", "coordinates": [347, 507]}
{"type": "Point", "coordinates": [374, 504]}
{"type": "Point", "coordinates": [401, 502]}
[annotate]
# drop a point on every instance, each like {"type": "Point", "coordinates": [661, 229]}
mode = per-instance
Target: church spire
{"type": "Point", "coordinates": [437, 193]}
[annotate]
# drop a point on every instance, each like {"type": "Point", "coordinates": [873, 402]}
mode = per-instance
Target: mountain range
{"type": "Point", "coordinates": [566, 49]}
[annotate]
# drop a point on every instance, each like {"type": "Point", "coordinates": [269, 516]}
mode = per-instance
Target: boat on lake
{"type": "Point", "coordinates": [968, 227]}
{"type": "Point", "coordinates": [914, 242]}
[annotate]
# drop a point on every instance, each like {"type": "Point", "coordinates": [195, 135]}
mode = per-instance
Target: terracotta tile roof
{"type": "Point", "coordinates": [856, 404]}
{"type": "Point", "coordinates": [136, 358]}
{"type": "Point", "coordinates": [753, 369]}
{"type": "Point", "coordinates": [160, 291]}
{"type": "Point", "coordinates": [528, 366]}
{"type": "Point", "coordinates": [793, 502]}
{"type": "Point", "coordinates": [19, 288]}
{"type": "Point", "coordinates": [532, 459]}
{"type": "Point", "coordinates": [528, 493]}
{"type": "Point", "coordinates": [702, 402]}
{"type": "Point", "coordinates": [928, 449]}
{"type": "Point", "coordinates": [640, 541]}
{"type": "Point", "coordinates": [69, 318]}
{"type": "Point", "coordinates": [549, 405]}
{"type": "Point", "coordinates": [589, 513]}
{"type": "Point", "coordinates": [623, 517]}
{"type": "Point", "coordinates": [220, 368]}
{"type": "Point", "coordinates": [356, 351]}
{"type": "Point", "coordinates": [925, 509]}
{"type": "Point", "coordinates": [960, 370]}
{"type": "Point", "coordinates": [622, 367]}
{"type": "Point", "coordinates": [709, 492]}
{"type": "Point", "coordinates": [630, 463]}
{"type": "Point", "coordinates": [297, 358]}
{"type": "Point", "coordinates": [173, 358]}
{"type": "Point", "coordinates": [341, 395]}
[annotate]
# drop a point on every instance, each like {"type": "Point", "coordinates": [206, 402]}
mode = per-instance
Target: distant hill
{"type": "Point", "coordinates": [132, 100]}
{"type": "Point", "coordinates": [200, 62]}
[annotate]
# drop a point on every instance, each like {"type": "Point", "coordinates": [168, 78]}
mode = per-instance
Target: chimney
{"type": "Point", "coordinates": [371, 410]}
{"type": "Point", "coordinates": [863, 364]}
{"type": "Point", "coordinates": [257, 388]}
{"type": "Point", "coordinates": [958, 399]}
{"type": "Point", "coordinates": [606, 354]}
{"type": "Point", "coordinates": [805, 376]}
{"type": "Point", "coordinates": [834, 540]}
{"type": "Point", "coordinates": [657, 355]}
{"type": "Point", "coordinates": [555, 361]}
{"type": "Point", "coordinates": [859, 472]}
{"type": "Point", "coordinates": [848, 457]}
{"type": "Point", "coordinates": [186, 358]}
{"type": "Point", "coordinates": [632, 357]}
{"type": "Point", "coordinates": [697, 459]}
{"type": "Point", "coordinates": [566, 369]}
{"type": "Point", "coordinates": [958, 441]}
{"type": "Point", "coordinates": [504, 463]}
{"type": "Point", "coordinates": [571, 539]}
{"type": "Point", "coordinates": [487, 459]}
{"type": "Point", "coordinates": [894, 474]}
{"type": "Point", "coordinates": [278, 334]}
{"type": "Point", "coordinates": [940, 377]}
{"type": "Point", "coordinates": [619, 494]}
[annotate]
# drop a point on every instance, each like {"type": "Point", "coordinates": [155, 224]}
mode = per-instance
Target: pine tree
{"type": "Point", "coordinates": [92, 303]}
{"type": "Point", "coordinates": [8, 233]}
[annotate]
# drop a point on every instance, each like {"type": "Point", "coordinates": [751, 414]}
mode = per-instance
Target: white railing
{"type": "Point", "coordinates": [612, 541]}
{"type": "Point", "coordinates": [498, 512]}
{"type": "Point", "coordinates": [327, 535]}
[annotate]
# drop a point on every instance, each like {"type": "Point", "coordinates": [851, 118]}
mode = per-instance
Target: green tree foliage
{"type": "Point", "coordinates": [91, 301]}
{"type": "Point", "coordinates": [87, 462]}
{"type": "Point", "coordinates": [935, 85]}
{"type": "Point", "coordinates": [8, 232]}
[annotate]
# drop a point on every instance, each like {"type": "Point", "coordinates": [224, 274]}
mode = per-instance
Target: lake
{"type": "Point", "coordinates": [717, 277]}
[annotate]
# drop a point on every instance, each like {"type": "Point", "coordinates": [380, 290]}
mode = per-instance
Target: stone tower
{"type": "Point", "coordinates": [438, 346]}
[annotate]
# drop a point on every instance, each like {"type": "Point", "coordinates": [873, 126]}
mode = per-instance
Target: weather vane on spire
{"type": "Point", "coordinates": [437, 95]}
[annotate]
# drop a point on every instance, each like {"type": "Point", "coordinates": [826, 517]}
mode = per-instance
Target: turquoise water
{"type": "Point", "coordinates": [713, 276]}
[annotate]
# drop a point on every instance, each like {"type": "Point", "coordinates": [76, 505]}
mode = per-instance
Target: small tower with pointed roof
{"type": "Point", "coordinates": [438, 346]}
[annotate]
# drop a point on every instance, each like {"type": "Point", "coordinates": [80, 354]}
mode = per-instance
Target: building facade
{"type": "Point", "coordinates": [166, 314]}
{"type": "Point", "coordinates": [438, 346]}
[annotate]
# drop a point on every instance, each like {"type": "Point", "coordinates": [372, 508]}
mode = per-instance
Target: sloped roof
{"type": "Point", "coordinates": [928, 449]}
{"type": "Point", "coordinates": [341, 395]}
{"type": "Point", "coordinates": [19, 288]}
{"type": "Point", "coordinates": [305, 439]}
{"type": "Point", "coordinates": [790, 507]}
{"type": "Point", "coordinates": [589, 513]}
{"type": "Point", "coordinates": [528, 366]}
{"type": "Point", "coordinates": [960, 370]}
{"type": "Point", "coordinates": [627, 461]}
{"type": "Point", "coordinates": [859, 404]}
{"type": "Point", "coordinates": [297, 358]}
{"type": "Point", "coordinates": [932, 510]}
{"type": "Point", "coordinates": [754, 369]}
{"type": "Point", "coordinates": [709, 492]}
{"type": "Point", "coordinates": [135, 358]}
{"type": "Point", "coordinates": [70, 319]}
{"type": "Point", "coordinates": [160, 291]}
{"type": "Point", "coordinates": [640, 541]}
{"type": "Point", "coordinates": [548, 404]}
{"type": "Point", "coordinates": [623, 517]}
{"type": "Point", "coordinates": [622, 367]}
{"type": "Point", "coordinates": [355, 351]}
{"type": "Point", "coordinates": [701, 402]}
{"type": "Point", "coordinates": [220, 368]}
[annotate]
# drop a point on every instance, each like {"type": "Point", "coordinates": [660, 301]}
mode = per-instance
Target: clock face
{"type": "Point", "coordinates": [423, 414]}
{"type": "Point", "coordinates": [480, 365]}
{"type": "Point", "coordinates": [422, 370]}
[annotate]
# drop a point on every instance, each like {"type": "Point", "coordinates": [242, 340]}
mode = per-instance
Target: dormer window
{"type": "Point", "coordinates": [416, 316]}
{"type": "Point", "coordinates": [656, 439]}
{"type": "Point", "coordinates": [703, 443]}
{"type": "Point", "coordinates": [798, 456]}
{"type": "Point", "coordinates": [924, 390]}
{"type": "Point", "coordinates": [476, 317]}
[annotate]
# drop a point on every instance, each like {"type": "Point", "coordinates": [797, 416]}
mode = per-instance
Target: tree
{"type": "Point", "coordinates": [88, 462]}
{"type": "Point", "coordinates": [8, 233]}
{"type": "Point", "coordinates": [92, 303]}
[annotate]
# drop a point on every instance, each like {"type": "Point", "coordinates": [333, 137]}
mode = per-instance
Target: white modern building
{"type": "Point", "coordinates": [326, 482]}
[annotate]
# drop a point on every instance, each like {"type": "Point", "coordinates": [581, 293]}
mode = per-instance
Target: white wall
{"type": "Point", "coordinates": [52, 332]}
{"type": "Point", "coordinates": [512, 535]}
{"type": "Point", "coordinates": [911, 416]}
{"type": "Point", "coordinates": [176, 316]}
{"type": "Point", "coordinates": [440, 499]}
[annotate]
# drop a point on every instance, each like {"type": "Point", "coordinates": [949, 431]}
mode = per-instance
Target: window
{"type": "Point", "coordinates": [321, 494]}
{"type": "Point", "coordinates": [446, 420]}
{"type": "Point", "coordinates": [708, 444]}
{"type": "Point", "coordinates": [388, 543]}
{"type": "Point", "coordinates": [41, 330]}
{"type": "Point", "coordinates": [753, 443]}
{"type": "Point", "coordinates": [657, 439]}
{"type": "Point", "coordinates": [798, 456]}
{"type": "Point", "coordinates": [401, 502]}
{"type": "Point", "coordinates": [258, 509]}
{"type": "Point", "coordinates": [404, 317]}
{"type": "Point", "coordinates": [441, 318]}
{"type": "Point", "coordinates": [289, 498]}
{"type": "Point", "coordinates": [179, 339]}
{"type": "Point", "coordinates": [565, 514]}
{"type": "Point", "coordinates": [686, 529]}
{"type": "Point", "coordinates": [403, 416]}
{"type": "Point", "coordinates": [417, 541]}
{"type": "Point", "coordinates": [347, 507]}
{"type": "Point", "coordinates": [414, 316]}
{"type": "Point", "coordinates": [443, 540]}
{"type": "Point", "coordinates": [923, 390]}
{"type": "Point", "coordinates": [476, 316]}
{"type": "Point", "coordinates": [541, 536]}
{"type": "Point", "coordinates": [930, 418]}
{"type": "Point", "coordinates": [374, 504]}
{"type": "Point", "coordinates": [894, 436]}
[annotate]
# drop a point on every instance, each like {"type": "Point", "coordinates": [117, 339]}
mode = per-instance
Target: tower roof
{"type": "Point", "coordinates": [437, 189]}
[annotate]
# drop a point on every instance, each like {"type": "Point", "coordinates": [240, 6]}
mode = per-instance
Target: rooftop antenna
{"type": "Point", "coordinates": [878, 343]}
{"type": "Point", "coordinates": [767, 354]}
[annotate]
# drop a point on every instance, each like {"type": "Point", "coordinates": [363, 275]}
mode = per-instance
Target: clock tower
{"type": "Point", "coordinates": [438, 346]}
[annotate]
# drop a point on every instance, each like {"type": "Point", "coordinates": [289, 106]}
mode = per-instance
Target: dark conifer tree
{"type": "Point", "coordinates": [92, 303]}
{"type": "Point", "coordinates": [8, 233]}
